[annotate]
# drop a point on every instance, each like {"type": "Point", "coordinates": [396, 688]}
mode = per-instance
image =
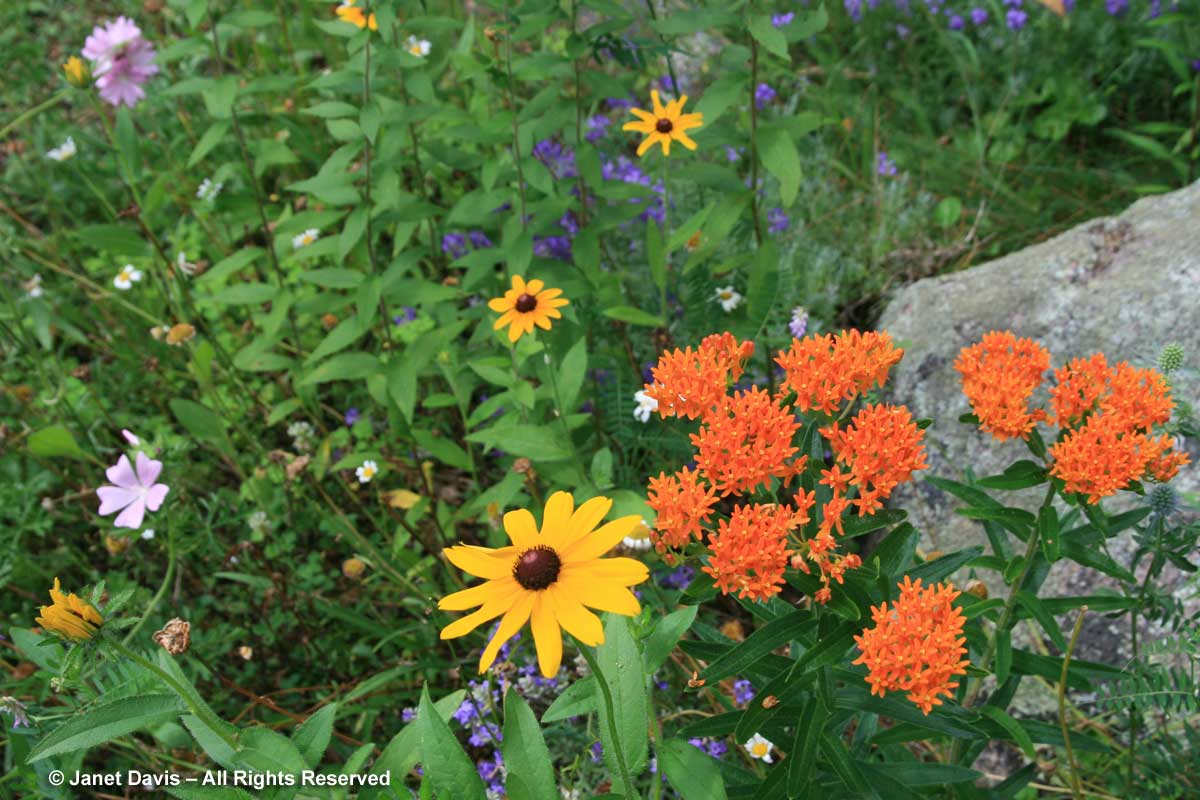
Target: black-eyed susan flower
{"type": "Point", "coordinates": [664, 124]}
{"type": "Point", "coordinates": [526, 305]}
{"type": "Point", "coordinates": [549, 578]}
{"type": "Point", "coordinates": [69, 616]}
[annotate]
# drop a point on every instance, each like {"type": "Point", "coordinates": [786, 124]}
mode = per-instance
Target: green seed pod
{"type": "Point", "coordinates": [1171, 358]}
{"type": "Point", "coordinates": [1163, 499]}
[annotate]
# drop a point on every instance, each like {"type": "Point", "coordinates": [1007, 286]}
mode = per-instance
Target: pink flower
{"type": "Point", "coordinates": [121, 61]}
{"type": "Point", "coordinates": [134, 492]}
{"type": "Point", "coordinates": [130, 437]}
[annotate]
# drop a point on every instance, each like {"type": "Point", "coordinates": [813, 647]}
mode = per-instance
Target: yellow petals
{"type": "Point", "coordinates": [481, 561]}
{"type": "Point", "coordinates": [402, 499]}
{"type": "Point", "coordinates": [525, 306]}
{"type": "Point", "coordinates": [664, 125]}
{"type": "Point", "coordinates": [69, 616]}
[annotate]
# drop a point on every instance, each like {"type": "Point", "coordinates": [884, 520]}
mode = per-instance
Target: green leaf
{"type": "Point", "coordinates": [803, 756]}
{"type": "Point", "coordinates": [55, 441]}
{"type": "Point", "coordinates": [105, 722]}
{"type": "Point", "coordinates": [948, 212]}
{"type": "Point", "coordinates": [127, 142]}
{"type": "Point", "coordinates": [1003, 665]}
{"type": "Point", "coordinates": [404, 750]}
{"type": "Point", "coordinates": [763, 641]}
{"type": "Point", "coordinates": [448, 768]}
{"type": "Point", "coordinates": [1001, 718]}
{"type": "Point", "coordinates": [525, 754]}
{"type": "Point", "coordinates": [634, 316]}
{"type": "Point", "coordinates": [914, 773]}
{"type": "Point", "coordinates": [536, 442]}
{"type": "Point", "coordinates": [343, 367]}
{"type": "Point", "coordinates": [769, 36]}
{"type": "Point", "coordinates": [665, 636]}
{"type": "Point", "coordinates": [200, 421]}
{"type": "Point", "coordinates": [779, 155]}
{"type": "Point", "coordinates": [763, 287]}
{"type": "Point", "coordinates": [581, 697]}
{"type": "Point", "coordinates": [312, 737]}
{"type": "Point", "coordinates": [1048, 530]}
{"type": "Point", "coordinates": [211, 138]}
{"type": "Point", "coordinates": [245, 294]}
{"type": "Point", "coordinates": [267, 750]}
{"type": "Point", "coordinates": [1033, 605]}
{"type": "Point", "coordinates": [621, 670]}
{"type": "Point", "coordinates": [571, 375]}
{"type": "Point", "coordinates": [691, 771]}
{"type": "Point", "coordinates": [1020, 475]}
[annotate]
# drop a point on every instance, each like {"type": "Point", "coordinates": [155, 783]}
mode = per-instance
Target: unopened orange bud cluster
{"type": "Point", "coordinates": [1107, 412]}
{"type": "Point", "coordinates": [916, 646]}
{"type": "Point", "coordinates": [746, 444]}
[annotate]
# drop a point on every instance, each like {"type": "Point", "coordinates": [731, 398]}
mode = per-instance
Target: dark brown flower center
{"type": "Point", "coordinates": [537, 568]}
{"type": "Point", "coordinates": [664, 126]}
{"type": "Point", "coordinates": [526, 303]}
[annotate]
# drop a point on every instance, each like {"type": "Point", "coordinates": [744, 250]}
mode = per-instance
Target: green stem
{"type": "Point", "coordinates": [512, 107]}
{"type": "Point", "coordinates": [33, 112]}
{"type": "Point", "coordinates": [218, 726]}
{"type": "Point", "coordinates": [614, 737]}
{"type": "Point", "coordinates": [1076, 789]}
{"type": "Point", "coordinates": [754, 142]}
{"type": "Point", "coordinates": [162, 589]}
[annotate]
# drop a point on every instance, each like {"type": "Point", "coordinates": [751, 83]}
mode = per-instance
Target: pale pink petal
{"type": "Point", "coordinates": [114, 498]}
{"type": "Point", "coordinates": [130, 437]}
{"type": "Point", "coordinates": [155, 496]}
{"type": "Point", "coordinates": [121, 474]}
{"type": "Point", "coordinates": [132, 516]}
{"type": "Point", "coordinates": [147, 469]}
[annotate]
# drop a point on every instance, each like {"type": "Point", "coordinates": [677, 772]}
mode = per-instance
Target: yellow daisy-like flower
{"type": "Point", "coordinates": [665, 124]}
{"type": "Point", "coordinates": [69, 616]}
{"type": "Point", "coordinates": [548, 578]}
{"type": "Point", "coordinates": [76, 72]}
{"type": "Point", "coordinates": [526, 305]}
{"type": "Point", "coordinates": [348, 12]}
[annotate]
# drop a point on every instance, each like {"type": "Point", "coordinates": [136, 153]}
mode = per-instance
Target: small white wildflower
{"type": "Point", "coordinates": [646, 405]}
{"type": "Point", "coordinates": [259, 522]}
{"type": "Point", "coordinates": [62, 152]}
{"type": "Point", "coordinates": [758, 746]}
{"type": "Point", "coordinates": [302, 434]}
{"type": "Point", "coordinates": [127, 277]}
{"type": "Point", "coordinates": [208, 190]}
{"type": "Point", "coordinates": [366, 471]}
{"type": "Point", "coordinates": [418, 47]}
{"type": "Point", "coordinates": [33, 286]}
{"type": "Point", "coordinates": [305, 239]}
{"type": "Point", "coordinates": [148, 534]}
{"type": "Point", "coordinates": [728, 298]}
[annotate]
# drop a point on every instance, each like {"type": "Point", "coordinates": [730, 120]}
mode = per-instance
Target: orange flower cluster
{"type": "Point", "coordinates": [746, 442]}
{"type": "Point", "coordinates": [1108, 412]}
{"type": "Point", "coordinates": [750, 550]}
{"type": "Point", "coordinates": [690, 383]}
{"type": "Point", "coordinates": [825, 370]}
{"type": "Point", "coordinates": [917, 645]}
{"type": "Point", "coordinates": [999, 376]}
{"type": "Point", "coordinates": [683, 505]}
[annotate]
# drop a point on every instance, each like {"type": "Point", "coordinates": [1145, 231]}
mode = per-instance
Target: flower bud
{"type": "Point", "coordinates": [1171, 358]}
{"type": "Point", "coordinates": [1163, 500]}
{"type": "Point", "coordinates": [77, 72]}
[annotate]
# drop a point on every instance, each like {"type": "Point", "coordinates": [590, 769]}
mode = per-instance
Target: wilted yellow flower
{"type": "Point", "coordinates": [353, 567]}
{"type": "Point", "coordinates": [180, 333]}
{"type": "Point", "coordinates": [77, 72]}
{"type": "Point", "coordinates": [664, 124]}
{"type": "Point", "coordinates": [401, 498]}
{"type": "Point", "coordinates": [69, 616]}
{"type": "Point", "coordinates": [349, 12]}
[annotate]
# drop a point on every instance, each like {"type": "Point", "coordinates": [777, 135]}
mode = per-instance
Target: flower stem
{"type": "Point", "coordinates": [162, 589]}
{"type": "Point", "coordinates": [209, 719]}
{"type": "Point", "coordinates": [754, 142]}
{"type": "Point", "coordinates": [1076, 789]}
{"type": "Point", "coordinates": [614, 737]}
{"type": "Point", "coordinates": [33, 112]}
{"type": "Point", "coordinates": [512, 107]}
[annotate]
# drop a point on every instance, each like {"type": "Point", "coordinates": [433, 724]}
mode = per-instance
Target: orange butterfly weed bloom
{"type": "Point", "coordinates": [349, 12]}
{"type": "Point", "coordinates": [689, 383]}
{"type": "Point", "coordinates": [750, 550]}
{"type": "Point", "coordinates": [916, 646]}
{"type": "Point", "coordinates": [1104, 456]}
{"type": "Point", "coordinates": [526, 305]}
{"type": "Point", "coordinates": [825, 370]}
{"type": "Point", "coordinates": [999, 376]}
{"type": "Point", "coordinates": [683, 505]}
{"type": "Point", "coordinates": [881, 448]}
{"type": "Point", "coordinates": [747, 442]}
{"type": "Point", "coordinates": [1078, 387]}
{"type": "Point", "coordinates": [1140, 397]}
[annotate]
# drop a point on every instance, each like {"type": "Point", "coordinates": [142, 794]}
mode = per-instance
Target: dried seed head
{"type": "Point", "coordinates": [176, 636]}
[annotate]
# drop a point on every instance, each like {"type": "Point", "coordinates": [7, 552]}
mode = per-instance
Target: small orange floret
{"type": "Point", "coordinates": [750, 551]}
{"type": "Point", "coordinates": [999, 376]}
{"type": "Point", "coordinates": [917, 645]}
{"type": "Point", "coordinates": [683, 505]}
{"type": "Point", "coordinates": [881, 448]}
{"type": "Point", "coordinates": [826, 370]}
{"type": "Point", "coordinates": [689, 383]}
{"type": "Point", "coordinates": [1104, 456]}
{"type": "Point", "coordinates": [746, 442]}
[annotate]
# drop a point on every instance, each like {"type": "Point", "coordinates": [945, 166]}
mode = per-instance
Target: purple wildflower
{"type": "Point", "coordinates": [1015, 19]}
{"type": "Point", "coordinates": [559, 159]}
{"type": "Point", "coordinates": [777, 220]}
{"type": "Point", "coordinates": [884, 165]}
{"type": "Point", "coordinates": [407, 315]}
{"type": "Point", "coordinates": [798, 324]}
{"type": "Point", "coordinates": [1116, 8]}
{"type": "Point", "coordinates": [764, 95]}
{"type": "Point", "coordinates": [957, 23]}
{"type": "Point", "coordinates": [782, 20]}
{"type": "Point", "coordinates": [597, 752]}
{"type": "Point", "coordinates": [479, 240]}
{"type": "Point", "coordinates": [979, 17]}
{"type": "Point", "coordinates": [597, 127]}
{"type": "Point", "coordinates": [352, 416]}
{"type": "Point", "coordinates": [743, 692]}
{"type": "Point", "coordinates": [455, 244]}
{"type": "Point", "coordinates": [408, 714]}
{"type": "Point", "coordinates": [122, 61]}
{"type": "Point", "coordinates": [678, 578]}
